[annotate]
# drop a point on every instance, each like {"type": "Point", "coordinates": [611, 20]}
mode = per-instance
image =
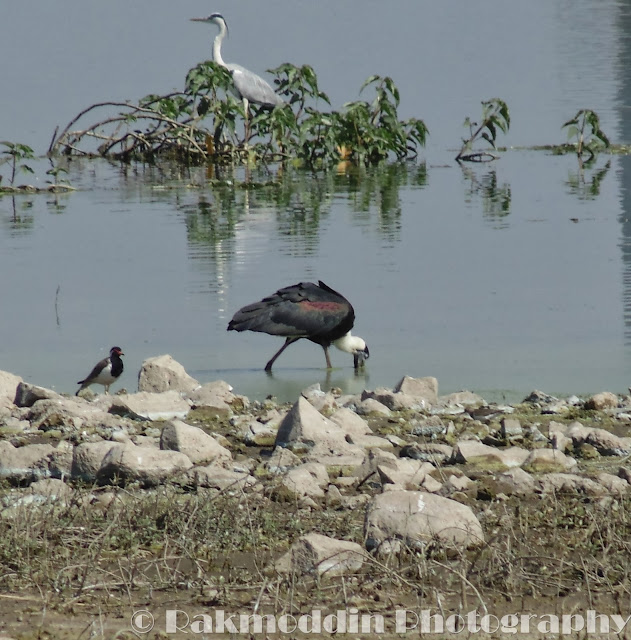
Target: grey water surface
{"type": "Point", "coordinates": [498, 278]}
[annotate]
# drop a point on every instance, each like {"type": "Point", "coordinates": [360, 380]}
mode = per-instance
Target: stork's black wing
{"type": "Point", "coordinates": [303, 310]}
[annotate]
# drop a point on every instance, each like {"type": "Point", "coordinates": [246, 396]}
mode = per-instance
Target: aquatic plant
{"type": "Point", "coordinates": [495, 115]}
{"type": "Point", "coordinates": [585, 133]}
{"type": "Point", "coordinates": [201, 122]}
{"type": "Point", "coordinates": [15, 153]}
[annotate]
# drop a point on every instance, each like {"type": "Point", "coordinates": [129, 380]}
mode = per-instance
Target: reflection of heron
{"type": "Point", "coordinates": [105, 372]}
{"type": "Point", "coordinates": [304, 310]}
{"type": "Point", "coordinates": [248, 86]}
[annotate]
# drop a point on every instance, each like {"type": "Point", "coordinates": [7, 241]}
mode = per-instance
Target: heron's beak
{"type": "Point", "coordinates": [198, 19]}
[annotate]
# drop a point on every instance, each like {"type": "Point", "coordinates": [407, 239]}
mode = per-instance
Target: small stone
{"type": "Point", "coordinates": [548, 460]}
{"type": "Point", "coordinates": [317, 554]}
{"type": "Point", "coordinates": [569, 483]}
{"type": "Point", "coordinates": [613, 484]}
{"type": "Point", "coordinates": [511, 428]}
{"type": "Point", "coordinates": [373, 407]}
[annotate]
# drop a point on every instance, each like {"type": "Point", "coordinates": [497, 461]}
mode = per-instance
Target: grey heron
{"type": "Point", "coordinates": [250, 87]}
{"type": "Point", "coordinates": [105, 372]}
{"type": "Point", "coordinates": [304, 310]}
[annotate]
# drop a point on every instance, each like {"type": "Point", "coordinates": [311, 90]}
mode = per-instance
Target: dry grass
{"type": "Point", "coordinates": [214, 548]}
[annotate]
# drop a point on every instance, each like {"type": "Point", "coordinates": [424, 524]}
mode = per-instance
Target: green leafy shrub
{"type": "Point", "coordinates": [201, 122]}
{"type": "Point", "coordinates": [495, 115]}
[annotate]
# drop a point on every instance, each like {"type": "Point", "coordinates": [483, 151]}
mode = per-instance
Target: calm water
{"type": "Point", "coordinates": [498, 278]}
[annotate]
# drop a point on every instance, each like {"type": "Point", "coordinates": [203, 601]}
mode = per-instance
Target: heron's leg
{"type": "Point", "coordinates": [246, 110]}
{"type": "Point", "coordinates": [326, 355]}
{"type": "Point", "coordinates": [288, 341]}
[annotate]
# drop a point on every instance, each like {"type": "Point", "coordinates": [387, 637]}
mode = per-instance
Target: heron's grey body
{"type": "Point", "coordinates": [248, 86]}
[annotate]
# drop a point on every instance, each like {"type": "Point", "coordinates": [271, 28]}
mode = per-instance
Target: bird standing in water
{"type": "Point", "coordinates": [248, 86]}
{"type": "Point", "coordinates": [105, 372]}
{"type": "Point", "coordinates": [304, 310]}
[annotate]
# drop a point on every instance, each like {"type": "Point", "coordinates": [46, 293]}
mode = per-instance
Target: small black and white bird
{"type": "Point", "coordinates": [305, 310]}
{"type": "Point", "coordinates": [105, 372]}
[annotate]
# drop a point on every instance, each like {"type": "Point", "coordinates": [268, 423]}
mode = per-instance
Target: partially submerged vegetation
{"type": "Point", "coordinates": [201, 123]}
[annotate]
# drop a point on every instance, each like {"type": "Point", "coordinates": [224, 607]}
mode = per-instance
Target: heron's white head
{"type": "Point", "coordinates": [355, 345]}
{"type": "Point", "coordinates": [213, 18]}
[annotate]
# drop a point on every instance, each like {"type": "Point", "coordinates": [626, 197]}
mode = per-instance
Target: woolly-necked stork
{"type": "Point", "coordinates": [304, 310]}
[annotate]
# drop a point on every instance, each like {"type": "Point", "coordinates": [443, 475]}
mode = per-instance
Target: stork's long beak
{"type": "Point", "coordinates": [360, 357]}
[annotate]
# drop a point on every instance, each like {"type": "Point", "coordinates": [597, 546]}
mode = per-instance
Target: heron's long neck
{"type": "Point", "coordinates": [217, 45]}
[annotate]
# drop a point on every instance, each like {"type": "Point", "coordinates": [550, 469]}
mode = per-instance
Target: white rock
{"type": "Point", "coordinates": [417, 517]}
{"type": "Point", "coordinates": [213, 395]}
{"type": "Point", "coordinates": [309, 479]}
{"type": "Point", "coordinates": [153, 406]}
{"type": "Point", "coordinates": [423, 388]}
{"type": "Point", "coordinates": [305, 430]}
{"type": "Point", "coordinates": [88, 457]}
{"type": "Point", "coordinates": [410, 474]}
{"type": "Point", "coordinates": [30, 462]}
{"type": "Point", "coordinates": [200, 447]}
{"type": "Point", "coordinates": [8, 387]}
{"type": "Point", "coordinates": [163, 373]}
{"type": "Point", "coordinates": [215, 477]}
{"type": "Point", "coordinates": [26, 395]}
{"type": "Point", "coordinates": [318, 554]}
{"type": "Point", "coordinates": [569, 483]}
{"type": "Point", "coordinates": [548, 460]}
{"type": "Point", "coordinates": [145, 464]}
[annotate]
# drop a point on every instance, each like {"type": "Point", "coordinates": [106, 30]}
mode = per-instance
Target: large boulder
{"type": "Point", "coordinates": [548, 461]}
{"type": "Point", "coordinates": [152, 406]}
{"type": "Point", "coordinates": [309, 479]}
{"type": "Point", "coordinates": [215, 395]}
{"type": "Point", "coordinates": [163, 373]}
{"type": "Point", "coordinates": [145, 464]}
{"type": "Point", "coordinates": [26, 394]}
{"type": "Point", "coordinates": [200, 447]}
{"type": "Point", "coordinates": [88, 457]}
{"type": "Point", "coordinates": [25, 464]}
{"type": "Point", "coordinates": [415, 518]}
{"type": "Point", "coordinates": [483, 456]}
{"type": "Point", "coordinates": [419, 388]}
{"type": "Point", "coordinates": [8, 386]}
{"type": "Point", "coordinates": [305, 430]}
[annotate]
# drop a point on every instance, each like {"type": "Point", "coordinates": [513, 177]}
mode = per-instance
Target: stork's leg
{"type": "Point", "coordinates": [326, 355]}
{"type": "Point", "coordinates": [288, 341]}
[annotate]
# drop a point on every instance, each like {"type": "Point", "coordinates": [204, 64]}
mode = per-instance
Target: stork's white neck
{"type": "Point", "coordinates": [350, 343]}
{"type": "Point", "coordinates": [217, 43]}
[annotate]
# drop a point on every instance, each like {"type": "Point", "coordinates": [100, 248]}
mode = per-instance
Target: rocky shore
{"type": "Point", "coordinates": [421, 469]}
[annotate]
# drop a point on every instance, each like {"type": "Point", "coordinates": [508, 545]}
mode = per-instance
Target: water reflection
{"type": "Point", "coordinates": [297, 203]}
{"type": "Point", "coordinates": [585, 182]}
{"type": "Point", "coordinates": [495, 198]}
{"type": "Point", "coordinates": [20, 220]}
